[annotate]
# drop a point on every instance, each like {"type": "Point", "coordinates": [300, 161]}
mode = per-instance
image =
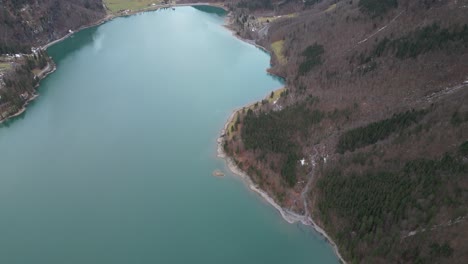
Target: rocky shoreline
{"type": "Point", "coordinates": [50, 68]}
{"type": "Point", "coordinates": [288, 216]}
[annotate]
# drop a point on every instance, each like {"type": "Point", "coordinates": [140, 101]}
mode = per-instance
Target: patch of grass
{"type": "Point", "coordinates": [277, 48]}
{"type": "Point", "coordinates": [288, 15]}
{"type": "Point", "coordinates": [5, 66]}
{"type": "Point", "coordinates": [273, 18]}
{"type": "Point", "coordinates": [231, 128]}
{"type": "Point", "coordinates": [266, 19]}
{"type": "Point", "coordinates": [133, 5]}
{"type": "Point", "coordinates": [275, 95]}
{"type": "Point", "coordinates": [36, 71]}
{"type": "Point", "coordinates": [331, 8]}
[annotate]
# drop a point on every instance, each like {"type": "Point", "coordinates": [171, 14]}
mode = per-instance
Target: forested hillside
{"type": "Point", "coordinates": [26, 23]}
{"type": "Point", "coordinates": [374, 121]}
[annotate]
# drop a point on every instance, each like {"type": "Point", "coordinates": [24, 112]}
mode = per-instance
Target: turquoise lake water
{"type": "Point", "coordinates": [113, 162]}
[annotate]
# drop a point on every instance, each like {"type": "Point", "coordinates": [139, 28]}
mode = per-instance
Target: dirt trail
{"type": "Point", "coordinates": [380, 29]}
{"type": "Point", "coordinates": [306, 219]}
{"type": "Point", "coordinates": [446, 91]}
{"type": "Point", "coordinates": [306, 189]}
{"type": "Point", "coordinates": [449, 223]}
{"type": "Point", "coordinates": [44, 71]}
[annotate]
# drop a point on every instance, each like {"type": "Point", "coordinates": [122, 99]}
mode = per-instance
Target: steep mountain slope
{"type": "Point", "coordinates": [373, 124]}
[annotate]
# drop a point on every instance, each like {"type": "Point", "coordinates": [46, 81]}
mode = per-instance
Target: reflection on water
{"type": "Point", "coordinates": [211, 10]}
{"type": "Point", "coordinates": [74, 43]}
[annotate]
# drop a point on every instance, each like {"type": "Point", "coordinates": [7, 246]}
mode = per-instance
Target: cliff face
{"type": "Point", "coordinates": [373, 125]}
{"type": "Point", "coordinates": [26, 23]}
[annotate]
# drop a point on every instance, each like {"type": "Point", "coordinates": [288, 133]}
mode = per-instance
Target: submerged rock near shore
{"type": "Point", "coordinates": [218, 173]}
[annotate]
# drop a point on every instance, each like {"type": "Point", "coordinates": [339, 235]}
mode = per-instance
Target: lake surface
{"type": "Point", "coordinates": [113, 162]}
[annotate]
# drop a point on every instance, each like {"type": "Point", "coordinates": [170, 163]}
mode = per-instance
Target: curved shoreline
{"type": "Point", "coordinates": [49, 69]}
{"type": "Point", "coordinates": [99, 22]}
{"type": "Point", "coordinates": [110, 17]}
{"type": "Point", "coordinates": [288, 216]}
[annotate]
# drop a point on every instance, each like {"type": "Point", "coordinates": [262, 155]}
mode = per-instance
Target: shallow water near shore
{"type": "Point", "coordinates": [113, 162]}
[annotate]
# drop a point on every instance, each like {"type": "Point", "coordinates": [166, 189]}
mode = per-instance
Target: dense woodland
{"type": "Point", "coordinates": [377, 8]}
{"type": "Point", "coordinates": [270, 132]}
{"type": "Point", "coordinates": [378, 204]}
{"type": "Point", "coordinates": [312, 57]}
{"type": "Point", "coordinates": [421, 41]}
{"type": "Point", "coordinates": [375, 131]}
